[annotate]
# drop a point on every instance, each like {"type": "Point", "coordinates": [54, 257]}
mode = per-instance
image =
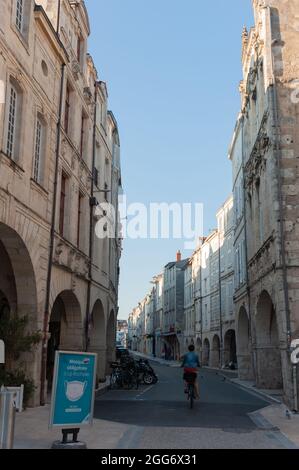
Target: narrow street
{"type": "Point", "coordinates": [158, 416]}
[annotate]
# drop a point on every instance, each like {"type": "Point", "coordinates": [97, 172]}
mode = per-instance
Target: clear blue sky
{"type": "Point", "coordinates": [172, 70]}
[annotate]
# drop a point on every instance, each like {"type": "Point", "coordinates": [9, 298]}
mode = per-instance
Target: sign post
{"type": "Point", "coordinates": [73, 395]}
{"type": "Point", "coordinates": [2, 352]}
{"type": "Point", "coordinates": [295, 362]}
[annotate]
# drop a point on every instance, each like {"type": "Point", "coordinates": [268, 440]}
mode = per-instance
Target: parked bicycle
{"type": "Point", "coordinates": [124, 375]}
{"type": "Point", "coordinates": [116, 376]}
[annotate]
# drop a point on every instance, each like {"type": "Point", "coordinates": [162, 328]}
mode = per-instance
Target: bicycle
{"type": "Point", "coordinates": [123, 375]}
{"type": "Point", "coordinates": [190, 378]}
{"type": "Point", "coordinates": [116, 379]}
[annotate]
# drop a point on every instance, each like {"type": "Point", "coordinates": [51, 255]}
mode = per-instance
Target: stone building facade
{"type": "Point", "coordinates": [173, 308]}
{"type": "Point", "coordinates": [192, 302]}
{"type": "Point", "coordinates": [265, 150]}
{"type": "Point", "coordinates": [59, 152]}
{"type": "Point", "coordinates": [158, 290]}
{"type": "Point", "coordinates": [211, 327]}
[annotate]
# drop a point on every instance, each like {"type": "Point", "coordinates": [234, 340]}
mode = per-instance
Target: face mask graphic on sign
{"type": "Point", "coordinates": [75, 390]}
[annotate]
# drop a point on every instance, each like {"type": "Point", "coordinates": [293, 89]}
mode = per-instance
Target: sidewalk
{"type": "Point", "coordinates": [32, 432]}
{"type": "Point", "coordinates": [157, 359]}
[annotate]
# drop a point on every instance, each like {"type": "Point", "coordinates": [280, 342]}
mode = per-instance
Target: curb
{"type": "Point", "coordinates": [256, 392]}
{"type": "Point", "coordinates": [247, 388]}
{"type": "Point", "coordinates": [103, 389]}
{"type": "Point", "coordinates": [263, 423]}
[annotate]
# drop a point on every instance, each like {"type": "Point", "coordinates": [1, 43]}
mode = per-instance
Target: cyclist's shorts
{"type": "Point", "coordinates": [190, 374]}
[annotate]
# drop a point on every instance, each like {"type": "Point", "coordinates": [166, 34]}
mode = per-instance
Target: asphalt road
{"type": "Point", "coordinates": [158, 416]}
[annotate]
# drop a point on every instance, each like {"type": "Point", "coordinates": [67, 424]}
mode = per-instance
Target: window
{"type": "Point", "coordinates": [20, 15]}
{"type": "Point", "coordinates": [83, 134]}
{"type": "Point", "coordinates": [79, 217]}
{"type": "Point", "coordinates": [67, 109]}
{"type": "Point", "coordinates": [11, 131]}
{"type": "Point", "coordinates": [80, 49]}
{"type": "Point", "coordinates": [62, 204]}
{"type": "Point", "coordinates": [38, 150]}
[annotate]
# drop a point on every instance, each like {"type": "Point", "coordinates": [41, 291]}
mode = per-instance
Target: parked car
{"type": "Point", "coordinates": [121, 351]}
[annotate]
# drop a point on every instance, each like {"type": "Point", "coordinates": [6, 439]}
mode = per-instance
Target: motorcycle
{"type": "Point", "coordinates": [146, 372]}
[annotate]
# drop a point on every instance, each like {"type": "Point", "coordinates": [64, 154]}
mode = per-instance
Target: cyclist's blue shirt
{"type": "Point", "coordinates": [191, 360]}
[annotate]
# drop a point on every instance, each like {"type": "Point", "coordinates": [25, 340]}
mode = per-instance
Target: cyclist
{"type": "Point", "coordinates": [191, 364]}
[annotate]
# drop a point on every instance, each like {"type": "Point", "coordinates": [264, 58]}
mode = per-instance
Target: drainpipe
{"type": "Point", "coordinates": [91, 227]}
{"type": "Point", "coordinates": [51, 249]}
{"type": "Point", "coordinates": [114, 240]}
{"type": "Point", "coordinates": [58, 17]}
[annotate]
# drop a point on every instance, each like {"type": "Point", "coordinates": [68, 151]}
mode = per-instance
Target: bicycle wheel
{"type": "Point", "coordinates": [113, 380]}
{"type": "Point", "coordinates": [127, 380]}
{"type": "Point", "coordinates": [136, 380]}
{"type": "Point", "coordinates": [191, 395]}
{"type": "Point", "coordinates": [148, 378]}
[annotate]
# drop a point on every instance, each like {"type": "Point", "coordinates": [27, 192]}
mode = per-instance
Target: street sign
{"type": "Point", "coordinates": [73, 390]}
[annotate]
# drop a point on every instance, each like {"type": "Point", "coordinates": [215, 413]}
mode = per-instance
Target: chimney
{"type": "Point", "coordinates": [178, 256]}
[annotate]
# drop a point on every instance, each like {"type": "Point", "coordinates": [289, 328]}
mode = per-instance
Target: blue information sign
{"type": "Point", "coordinates": [73, 389]}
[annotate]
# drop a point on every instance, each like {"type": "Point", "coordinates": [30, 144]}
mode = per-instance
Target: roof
{"type": "Point", "coordinates": [183, 264]}
{"type": "Point", "coordinates": [170, 265]}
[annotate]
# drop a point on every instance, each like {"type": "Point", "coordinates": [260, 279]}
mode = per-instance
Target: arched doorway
{"type": "Point", "coordinates": [17, 277]}
{"type": "Point", "coordinates": [269, 370]}
{"type": "Point", "coordinates": [18, 294]}
{"type": "Point", "coordinates": [198, 346]}
{"type": "Point", "coordinates": [97, 342]}
{"type": "Point", "coordinates": [5, 308]}
{"type": "Point", "coordinates": [206, 352]}
{"type": "Point", "coordinates": [215, 353]}
{"type": "Point", "coordinates": [110, 340]}
{"type": "Point", "coordinates": [243, 346]}
{"type": "Point", "coordinates": [198, 349]}
{"type": "Point", "coordinates": [65, 328]}
{"type": "Point", "coordinates": [230, 348]}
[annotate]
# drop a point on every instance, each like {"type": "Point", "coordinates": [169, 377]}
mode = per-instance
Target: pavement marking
{"type": "Point", "coordinates": [145, 391]}
{"type": "Point", "coordinates": [131, 438]}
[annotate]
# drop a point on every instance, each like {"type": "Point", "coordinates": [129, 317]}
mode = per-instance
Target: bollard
{"type": "Point", "coordinates": [7, 419]}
